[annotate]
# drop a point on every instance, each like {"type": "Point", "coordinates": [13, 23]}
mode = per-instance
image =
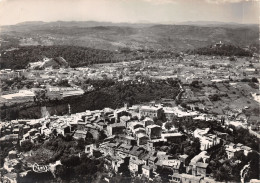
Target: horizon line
{"type": "Point", "coordinates": [199, 22]}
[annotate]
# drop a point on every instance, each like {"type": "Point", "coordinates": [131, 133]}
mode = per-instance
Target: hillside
{"type": "Point", "coordinates": [76, 56]}
{"type": "Point", "coordinates": [111, 36]}
{"type": "Point", "coordinates": [223, 50]}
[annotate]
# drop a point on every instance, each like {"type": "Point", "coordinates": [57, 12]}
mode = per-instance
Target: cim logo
{"type": "Point", "coordinates": [40, 168]}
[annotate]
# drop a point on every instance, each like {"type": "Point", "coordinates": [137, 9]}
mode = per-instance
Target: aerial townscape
{"type": "Point", "coordinates": [103, 102]}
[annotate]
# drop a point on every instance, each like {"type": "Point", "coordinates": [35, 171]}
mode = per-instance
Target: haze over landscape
{"type": "Point", "coordinates": [134, 11]}
{"type": "Point", "coordinates": [137, 24]}
{"type": "Point", "coordinates": [129, 91]}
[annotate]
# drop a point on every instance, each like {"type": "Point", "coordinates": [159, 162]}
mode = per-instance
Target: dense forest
{"type": "Point", "coordinates": [107, 94]}
{"type": "Point", "coordinates": [224, 50]}
{"type": "Point", "coordinates": [75, 56]}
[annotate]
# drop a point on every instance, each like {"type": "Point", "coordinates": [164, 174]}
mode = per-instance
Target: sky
{"type": "Point", "coordinates": [133, 11]}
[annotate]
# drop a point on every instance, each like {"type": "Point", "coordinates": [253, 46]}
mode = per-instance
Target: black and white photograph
{"type": "Point", "coordinates": [129, 91]}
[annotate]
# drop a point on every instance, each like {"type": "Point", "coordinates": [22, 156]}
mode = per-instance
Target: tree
{"type": "Point", "coordinates": [41, 138]}
{"type": "Point", "coordinates": [102, 136]}
{"type": "Point", "coordinates": [120, 76]}
{"type": "Point", "coordinates": [63, 172]}
{"type": "Point", "coordinates": [184, 105]}
{"type": "Point", "coordinates": [40, 95]}
{"type": "Point", "coordinates": [240, 156]}
{"type": "Point", "coordinates": [232, 59]}
{"type": "Point", "coordinates": [175, 148]}
{"type": "Point", "coordinates": [221, 174]}
{"type": "Point", "coordinates": [212, 67]}
{"type": "Point", "coordinates": [254, 80]}
{"type": "Point", "coordinates": [253, 172]}
{"type": "Point", "coordinates": [26, 146]}
{"type": "Point", "coordinates": [120, 178]}
{"type": "Point", "coordinates": [86, 168]}
{"type": "Point", "coordinates": [155, 119]}
{"type": "Point", "coordinates": [63, 83]}
{"type": "Point", "coordinates": [168, 125]}
{"type": "Point", "coordinates": [81, 144]}
{"type": "Point", "coordinates": [195, 84]}
{"type": "Point", "coordinates": [68, 138]}
{"type": "Point", "coordinates": [157, 179]}
{"type": "Point", "coordinates": [196, 145]}
{"type": "Point", "coordinates": [215, 97]}
{"type": "Point", "coordinates": [158, 122]}
{"type": "Point", "coordinates": [70, 161]}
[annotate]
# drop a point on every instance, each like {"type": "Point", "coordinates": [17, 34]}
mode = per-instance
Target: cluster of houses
{"type": "Point", "coordinates": [206, 140]}
{"type": "Point", "coordinates": [233, 149]}
{"type": "Point", "coordinates": [20, 130]}
{"type": "Point", "coordinates": [10, 74]}
{"type": "Point", "coordinates": [131, 139]}
{"type": "Point", "coordinates": [132, 142]}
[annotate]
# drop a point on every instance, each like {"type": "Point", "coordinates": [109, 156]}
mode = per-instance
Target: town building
{"type": "Point", "coordinates": [151, 112]}
{"type": "Point", "coordinates": [115, 129]}
{"type": "Point", "coordinates": [153, 131]}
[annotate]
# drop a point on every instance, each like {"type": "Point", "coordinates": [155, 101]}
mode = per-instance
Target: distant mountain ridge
{"type": "Point", "coordinates": [95, 23]}
{"type": "Point", "coordinates": [113, 36]}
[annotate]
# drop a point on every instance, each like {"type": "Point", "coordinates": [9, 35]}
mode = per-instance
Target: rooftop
{"type": "Point", "coordinates": [153, 126]}
{"type": "Point", "coordinates": [151, 108]}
